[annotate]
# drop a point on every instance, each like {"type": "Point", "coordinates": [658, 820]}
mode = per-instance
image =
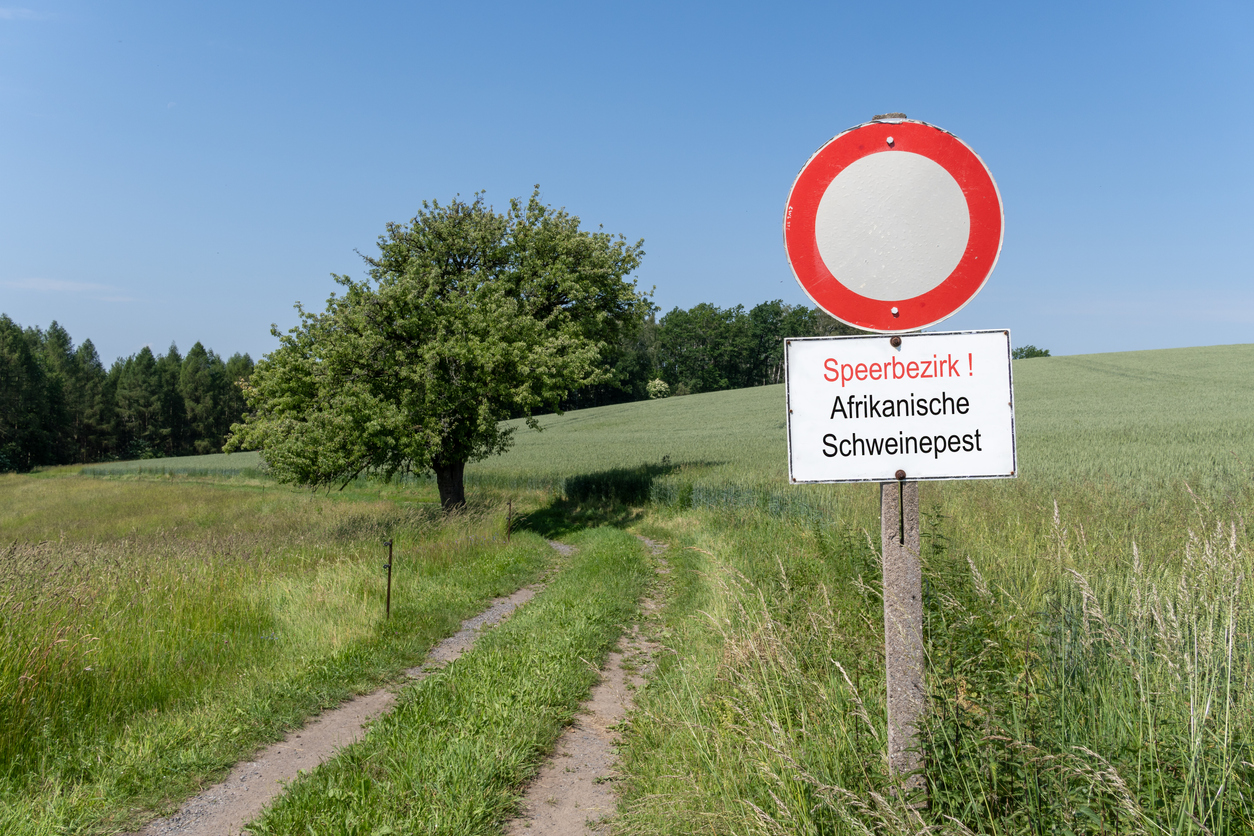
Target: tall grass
{"type": "Point", "coordinates": [1072, 693]}
{"type": "Point", "coordinates": [1090, 690]}
{"type": "Point", "coordinates": [1088, 625]}
{"type": "Point", "coordinates": [94, 634]}
{"type": "Point", "coordinates": [156, 632]}
{"type": "Point", "coordinates": [764, 708]}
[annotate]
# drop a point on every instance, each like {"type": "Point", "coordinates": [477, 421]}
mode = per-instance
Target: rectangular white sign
{"type": "Point", "coordinates": [937, 406]}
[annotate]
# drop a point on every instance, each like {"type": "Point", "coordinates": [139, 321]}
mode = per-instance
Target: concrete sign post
{"type": "Point", "coordinates": [892, 227]}
{"type": "Point", "coordinates": [903, 623]}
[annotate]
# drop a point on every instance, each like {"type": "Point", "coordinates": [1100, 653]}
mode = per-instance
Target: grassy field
{"type": "Point", "coordinates": [1089, 625]}
{"type": "Point", "coordinates": [217, 465]}
{"type": "Point", "coordinates": [1135, 420]}
{"type": "Point", "coordinates": [157, 630]}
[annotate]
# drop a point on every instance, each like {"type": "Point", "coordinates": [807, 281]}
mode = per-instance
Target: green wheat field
{"type": "Point", "coordinates": [1089, 627]}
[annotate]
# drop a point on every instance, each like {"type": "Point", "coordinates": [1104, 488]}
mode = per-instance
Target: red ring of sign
{"type": "Point", "coordinates": [947, 298]}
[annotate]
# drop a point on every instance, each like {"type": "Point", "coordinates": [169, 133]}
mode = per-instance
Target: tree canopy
{"type": "Point", "coordinates": [468, 316]}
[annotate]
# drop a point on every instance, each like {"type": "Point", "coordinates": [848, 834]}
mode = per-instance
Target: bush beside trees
{"type": "Point", "coordinates": [1027, 352]}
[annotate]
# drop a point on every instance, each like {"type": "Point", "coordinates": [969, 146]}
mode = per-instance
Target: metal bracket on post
{"type": "Point", "coordinates": [903, 625]}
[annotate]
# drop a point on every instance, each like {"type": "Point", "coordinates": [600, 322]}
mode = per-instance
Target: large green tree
{"type": "Point", "coordinates": [468, 316]}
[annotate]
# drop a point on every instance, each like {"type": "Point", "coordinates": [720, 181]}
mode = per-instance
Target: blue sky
{"type": "Point", "coordinates": [175, 172]}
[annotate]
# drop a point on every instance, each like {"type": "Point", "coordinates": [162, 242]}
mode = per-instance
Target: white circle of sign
{"type": "Point", "coordinates": [892, 226]}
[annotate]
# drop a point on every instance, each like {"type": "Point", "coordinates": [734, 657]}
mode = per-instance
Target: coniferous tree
{"type": "Point", "coordinates": [172, 434]}
{"type": "Point", "coordinates": [24, 441]}
{"type": "Point", "coordinates": [202, 386]}
{"type": "Point", "coordinates": [92, 411]}
{"type": "Point", "coordinates": [138, 400]}
{"type": "Point", "coordinates": [58, 404]}
{"type": "Point", "coordinates": [56, 352]}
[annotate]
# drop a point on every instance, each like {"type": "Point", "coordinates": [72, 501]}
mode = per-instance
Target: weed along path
{"type": "Point", "coordinates": [572, 794]}
{"type": "Point", "coordinates": [225, 809]}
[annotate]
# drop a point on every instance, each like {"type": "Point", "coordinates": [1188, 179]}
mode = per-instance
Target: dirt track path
{"type": "Point", "coordinates": [224, 809]}
{"type": "Point", "coordinates": [573, 794]}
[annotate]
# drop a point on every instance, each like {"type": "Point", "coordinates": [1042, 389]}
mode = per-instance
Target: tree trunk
{"type": "Point", "coordinates": [448, 478]}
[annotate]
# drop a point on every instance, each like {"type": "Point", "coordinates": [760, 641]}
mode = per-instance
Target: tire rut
{"type": "Point", "coordinates": [572, 794]}
{"type": "Point", "coordinates": [226, 808]}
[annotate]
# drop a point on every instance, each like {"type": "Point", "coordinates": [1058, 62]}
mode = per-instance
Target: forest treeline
{"type": "Point", "coordinates": [59, 405]}
{"type": "Point", "coordinates": [705, 349]}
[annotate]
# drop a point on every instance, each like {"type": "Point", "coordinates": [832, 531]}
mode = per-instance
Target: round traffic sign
{"type": "Point", "coordinates": [893, 225]}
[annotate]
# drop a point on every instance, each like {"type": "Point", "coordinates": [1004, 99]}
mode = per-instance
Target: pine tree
{"type": "Point", "coordinates": [171, 411]}
{"type": "Point", "coordinates": [202, 385]}
{"type": "Point", "coordinates": [24, 439]}
{"type": "Point", "coordinates": [138, 400]}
